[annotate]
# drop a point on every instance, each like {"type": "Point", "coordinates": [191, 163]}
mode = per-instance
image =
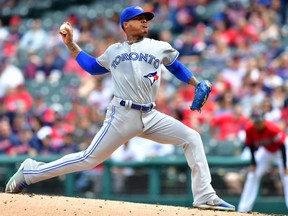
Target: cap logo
{"type": "Point", "coordinates": [138, 8]}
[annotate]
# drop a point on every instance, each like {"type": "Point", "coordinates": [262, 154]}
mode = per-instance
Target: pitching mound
{"type": "Point", "coordinates": [35, 205]}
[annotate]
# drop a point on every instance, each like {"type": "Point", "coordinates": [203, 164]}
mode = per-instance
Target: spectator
{"type": "Point", "coordinates": [228, 125]}
{"type": "Point", "coordinates": [35, 38]}
{"type": "Point", "coordinates": [271, 80]}
{"type": "Point", "coordinates": [245, 30]}
{"type": "Point", "coordinates": [278, 96]}
{"type": "Point", "coordinates": [35, 123]}
{"type": "Point", "coordinates": [90, 181]}
{"type": "Point", "coordinates": [234, 73]}
{"type": "Point", "coordinates": [31, 65]}
{"type": "Point", "coordinates": [39, 106]}
{"type": "Point", "coordinates": [68, 146]}
{"type": "Point", "coordinates": [4, 33]}
{"type": "Point", "coordinates": [86, 36]}
{"type": "Point", "coordinates": [166, 35]}
{"type": "Point", "coordinates": [95, 118]}
{"type": "Point", "coordinates": [3, 110]}
{"type": "Point", "coordinates": [19, 122]}
{"type": "Point", "coordinates": [120, 174]}
{"type": "Point", "coordinates": [58, 56]}
{"type": "Point", "coordinates": [73, 18]}
{"type": "Point", "coordinates": [59, 130]}
{"type": "Point", "coordinates": [282, 69]}
{"type": "Point", "coordinates": [252, 68]}
{"type": "Point", "coordinates": [270, 28]}
{"type": "Point", "coordinates": [10, 76]}
{"type": "Point", "coordinates": [83, 130]}
{"type": "Point", "coordinates": [6, 137]}
{"type": "Point", "coordinates": [182, 16]}
{"type": "Point", "coordinates": [41, 143]}
{"type": "Point", "coordinates": [271, 112]}
{"type": "Point", "coordinates": [165, 96]}
{"type": "Point", "coordinates": [189, 47]}
{"type": "Point", "coordinates": [222, 30]}
{"type": "Point", "coordinates": [18, 100]}
{"type": "Point", "coordinates": [9, 49]}
{"type": "Point", "coordinates": [48, 68]}
{"type": "Point", "coordinates": [225, 103]}
{"type": "Point", "coordinates": [244, 48]}
{"type": "Point", "coordinates": [253, 98]}
{"type": "Point", "coordinates": [218, 53]}
{"type": "Point", "coordinates": [71, 67]}
{"type": "Point", "coordinates": [22, 142]}
{"type": "Point", "coordinates": [149, 148]}
{"type": "Point", "coordinates": [100, 95]}
{"type": "Point", "coordinates": [234, 10]}
{"type": "Point", "coordinates": [15, 33]}
{"type": "Point", "coordinates": [77, 111]}
{"type": "Point", "coordinates": [275, 49]}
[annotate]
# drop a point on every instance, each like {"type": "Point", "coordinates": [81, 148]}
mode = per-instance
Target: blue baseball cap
{"type": "Point", "coordinates": [133, 11]}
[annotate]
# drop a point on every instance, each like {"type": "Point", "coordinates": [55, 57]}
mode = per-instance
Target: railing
{"type": "Point", "coordinates": [153, 166]}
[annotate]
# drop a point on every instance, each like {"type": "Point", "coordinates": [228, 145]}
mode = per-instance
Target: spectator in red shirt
{"type": "Point", "coordinates": [269, 141]}
{"type": "Point", "coordinates": [18, 100]}
{"type": "Point", "coordinates": [228, 125]}
{"type": "Point", "coordinates": [247, 30]}
{"type": "Point", "coordinates": [223, 30]}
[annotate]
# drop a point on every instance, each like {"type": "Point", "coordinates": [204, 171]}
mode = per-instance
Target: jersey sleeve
{"type": "Point", "coordinates": [249, 134]}
{"type": "Point", "coordinates": [279, 135]}
{"type": "Point", "coordinates": [169, 54]}
{"type": "Point", "coordinates": [103, 59]}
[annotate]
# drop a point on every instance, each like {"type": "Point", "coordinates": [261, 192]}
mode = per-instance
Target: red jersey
{"type": "Point", "coordinates": [271, 137]}
{"type": "Point", "coordinates": [228, 125]}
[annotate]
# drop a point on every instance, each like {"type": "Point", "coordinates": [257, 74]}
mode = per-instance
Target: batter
{"type": "Point", "coordinates": [135, 67]}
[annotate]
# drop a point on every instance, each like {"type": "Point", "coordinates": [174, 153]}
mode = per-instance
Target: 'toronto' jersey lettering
{"type": "Point", "coordinates": [133, 56]}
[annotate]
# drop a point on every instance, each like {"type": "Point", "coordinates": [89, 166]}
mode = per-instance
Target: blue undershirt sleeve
{"type": "Point", "coordinates": [90, 64]}
{"type": "Point", "coordinates": [180, 71]}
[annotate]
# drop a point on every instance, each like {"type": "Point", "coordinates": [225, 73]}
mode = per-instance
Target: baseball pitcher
{"type": "Point", "coordinates": [135, 67]}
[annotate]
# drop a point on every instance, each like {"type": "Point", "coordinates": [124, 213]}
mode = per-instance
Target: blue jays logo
{"type": "Point", "coordinates": [138, 8]}
{"type": "Point", "coordinates": [152, 77]}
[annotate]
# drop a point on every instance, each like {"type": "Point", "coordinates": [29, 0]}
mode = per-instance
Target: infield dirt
{"type": "Point", "coordinates": [43, 205]}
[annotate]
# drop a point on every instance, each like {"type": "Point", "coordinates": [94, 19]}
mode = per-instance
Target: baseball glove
{"type": "Point", "coordinates": [202, 91]}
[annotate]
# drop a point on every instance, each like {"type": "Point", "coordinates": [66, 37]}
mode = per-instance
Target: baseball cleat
{"type": "Point", "coordinates": [17, 182]}
{"type": "Point", "coordinates": [216, 204]}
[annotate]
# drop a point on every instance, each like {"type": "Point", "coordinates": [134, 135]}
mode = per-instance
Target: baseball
{"type": "Point", "coordinates": [63, 28]}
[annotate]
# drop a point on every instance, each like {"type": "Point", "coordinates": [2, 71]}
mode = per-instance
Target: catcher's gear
{"type": "Point", "coordinates": [202, 91]}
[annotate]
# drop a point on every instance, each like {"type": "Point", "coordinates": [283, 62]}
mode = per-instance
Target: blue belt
{"type": "Point", "coordinates": [137, 106]}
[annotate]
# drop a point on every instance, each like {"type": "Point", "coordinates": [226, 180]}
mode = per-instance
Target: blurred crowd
{"type": "Point", "coordinates": [240, 46]}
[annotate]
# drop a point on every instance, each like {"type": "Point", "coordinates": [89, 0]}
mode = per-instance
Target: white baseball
{"type": "Point", "coordinates": [63, 28]}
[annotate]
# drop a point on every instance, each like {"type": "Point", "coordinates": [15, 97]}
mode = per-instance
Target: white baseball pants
{"type": "Point", "coordinates": [264, 159]}
{"type": "Point", "coordinates": [120, 125]}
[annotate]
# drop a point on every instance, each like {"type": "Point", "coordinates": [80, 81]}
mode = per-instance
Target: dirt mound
{"type": "Point", "coordinates": [43, 205]}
